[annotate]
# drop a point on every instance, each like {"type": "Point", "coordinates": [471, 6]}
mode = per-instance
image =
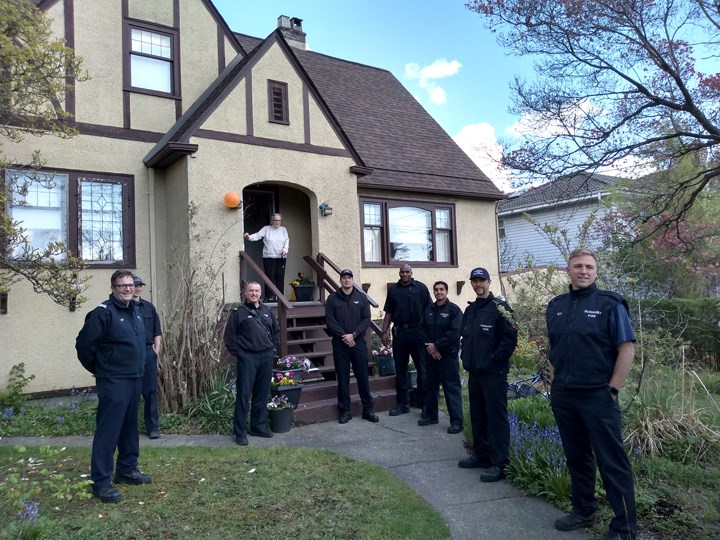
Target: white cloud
{"type": "Point", "coordinates": [437, 95]}
{"type": "Point", "coordinates": [427, 75]}
{"type": "Point", "coordinates": [480, 143]}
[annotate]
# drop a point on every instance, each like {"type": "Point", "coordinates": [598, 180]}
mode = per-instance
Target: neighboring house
{"type": "Point", "coordinates": [566, 202]}
{"type": "Point", "coordinates": [179, 110]}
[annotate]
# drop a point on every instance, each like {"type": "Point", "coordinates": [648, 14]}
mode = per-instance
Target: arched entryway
{"type": "Point", "coordinates": [260, 202]}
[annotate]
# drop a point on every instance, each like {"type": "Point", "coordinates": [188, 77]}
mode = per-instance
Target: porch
{"type": "Point", "coordinates": [302, 333]}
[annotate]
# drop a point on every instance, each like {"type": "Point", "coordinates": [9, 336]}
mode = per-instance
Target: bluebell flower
{"type": "Point", "coordinates": [29, 511]}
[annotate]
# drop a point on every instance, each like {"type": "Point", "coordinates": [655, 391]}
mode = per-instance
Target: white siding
{"type": "Point", "coordinates": [522, 238]}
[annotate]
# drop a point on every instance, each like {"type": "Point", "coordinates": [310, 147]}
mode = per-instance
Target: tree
{"type": "Point", "coordinates": [36, 73]}
{"type": "Point", "coordinates": [617, 81]}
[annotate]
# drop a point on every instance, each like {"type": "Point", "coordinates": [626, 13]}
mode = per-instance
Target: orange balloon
{"type": "Point", "coordinates": [232, 199]}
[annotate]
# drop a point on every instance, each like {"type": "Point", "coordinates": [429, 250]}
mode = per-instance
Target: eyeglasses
{"type": "Point", "coordinates": [277, 220]}
{"type": "Point", "coordinates": [125, 286]}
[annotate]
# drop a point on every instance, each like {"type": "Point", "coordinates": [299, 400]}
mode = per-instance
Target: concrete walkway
{"type": "Point", "coordinates": [425, 458]}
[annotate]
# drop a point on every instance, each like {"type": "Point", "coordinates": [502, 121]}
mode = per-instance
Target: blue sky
{"type": "Point", "coordinates": [438, 49]}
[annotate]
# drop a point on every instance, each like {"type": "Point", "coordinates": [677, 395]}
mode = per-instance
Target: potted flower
{"type": "Point", "coordinates": [280, 410]}
{"type": "Point", "coordinates": [282, 384]}
{"type": "Point", "coordinates": [292, 366]}
{"type": "Point", "coordinates": [412, 374]}
{"type": "Point", "coordinates": [303, 287]}
{"type": "Point", "coordinates": [384, 359]}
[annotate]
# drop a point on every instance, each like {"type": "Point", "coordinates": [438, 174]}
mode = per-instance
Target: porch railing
{"type": "Point", "coordinates": [329, 285]}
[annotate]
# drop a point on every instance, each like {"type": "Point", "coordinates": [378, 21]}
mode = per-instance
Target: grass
{"type": "Point", "coordinates": [229, 492]}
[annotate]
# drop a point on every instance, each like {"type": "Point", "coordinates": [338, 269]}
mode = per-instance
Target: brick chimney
{"type": "Point", "coordinates": [291, 28]}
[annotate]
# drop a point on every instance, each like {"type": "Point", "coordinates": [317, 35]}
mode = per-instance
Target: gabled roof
{"type": "Point", "coordinates": [564, 190]}
{"type": "Point", "coordinates": [392, 133]}
{"type": "Point", "coordinates": [175, 143]}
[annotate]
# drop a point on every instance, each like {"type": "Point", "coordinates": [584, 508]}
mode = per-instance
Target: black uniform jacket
{"type": "Point", "coordinates": [151, 320]}
{"type": "Point", "coordinates": [251, 329]}
{"type": "Point", "coordinates": [442, 326]}
{"type": "Point", "coordinates": [582, 351]}
{"type": "Point", "coordinates": [489, 336]}
{"type": "Point", "coordinates": [111, 343]}
{"type": "Point", "coordinates": [347, 314]}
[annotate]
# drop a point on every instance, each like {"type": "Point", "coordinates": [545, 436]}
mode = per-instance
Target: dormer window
{"type": "Point", "coordinates": [151, 59]}
{"type": "Point", "coordinates": [278, 102]}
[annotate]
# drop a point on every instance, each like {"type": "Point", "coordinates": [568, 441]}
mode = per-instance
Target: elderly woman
{"type": "Point", "coordinates": [276, 244]}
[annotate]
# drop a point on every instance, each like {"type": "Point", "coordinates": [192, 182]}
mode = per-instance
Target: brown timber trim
{"type": "Point", "coordinates": [361, 171]}
{"type": "Point", "coordinates": [178, 65]}
{"type": "Point", "coordinates": [126, 67]}
{"type": "Point", "coordinates": [69, 8]}
{"type": "Point", "coordinates": [306, 112]}
{"type": "Point", "coordinates": [113, 132]}
{"type": "Point", "coordinates": [249, 129]}
{"type": "Point", "coordinates": [271, 143]}
{"type": "Point", "coordinates": [170, 153]}
{"type": "Point", "coordinates": [220, 49]}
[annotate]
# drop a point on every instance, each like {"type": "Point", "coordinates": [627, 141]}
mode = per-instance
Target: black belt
{"type": "Point", "coordinates": [414, 325]}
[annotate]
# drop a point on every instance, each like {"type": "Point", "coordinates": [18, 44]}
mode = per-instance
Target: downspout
{"type": "Point", "coordinates": [151, 232]}
{"type": "Point", "coordinates": [497, 250]}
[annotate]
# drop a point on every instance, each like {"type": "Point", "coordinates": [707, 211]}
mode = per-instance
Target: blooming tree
{"type": "Point", "coordinates": [630, 82]}
{"type": "Point", "coordinates": [36, 73]}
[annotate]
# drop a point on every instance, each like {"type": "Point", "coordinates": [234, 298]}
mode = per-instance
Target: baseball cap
{"type": "Point", "coordinates": [479, 273]}
{"type": "Point", "coordinates": [346, 272]}
{"type": "Point", "coordinates": [137, 280]}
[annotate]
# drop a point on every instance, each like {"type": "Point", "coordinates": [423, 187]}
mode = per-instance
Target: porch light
{"type": "Point", "coordinates": [232, 200]}
{"type": "Point", "coordinates": [325, 209]}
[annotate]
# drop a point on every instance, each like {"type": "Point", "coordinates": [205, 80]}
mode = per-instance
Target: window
{"type": "Point", "coordinates": [90, 213]}
{"type": "Point", "coordinates": [407, 231]}
{"type": "Point", "coordinates": [151, 55]}
{"type": "Point", "coordinates": [501, 228]}
{"type": "Point", "coordinates": [278, 102]}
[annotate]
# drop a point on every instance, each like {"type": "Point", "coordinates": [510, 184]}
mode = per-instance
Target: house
{"type": "Point", "coordinates": [179, 111]}
{"type": "Point", "coordinates": [566, 203]}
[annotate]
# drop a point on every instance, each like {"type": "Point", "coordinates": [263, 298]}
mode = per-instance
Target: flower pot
{"type": "Point", "coordinates": [280, 420]}
{"type": "Point", "coordinates": [304, 293]}
{"type": "Point", "coordinates": [386, 365]}
{"type": "Point", "coordinates": [412, 379]}
{"type": "Point", "coordinates": [291, 391]}
{"type": "Point", "coordinates": [295, 374]}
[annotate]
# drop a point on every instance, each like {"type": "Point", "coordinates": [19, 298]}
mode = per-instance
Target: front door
{"type": "Point", "coordinates": [258, 206]}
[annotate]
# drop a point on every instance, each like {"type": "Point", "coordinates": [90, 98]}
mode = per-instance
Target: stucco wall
{"type": "Point", "coordinates": [221, 166]}
{"type": "Point", "coordinates": [37, 331]}
{"type": "Point", "coordinates": [230, 114]}
{"type": "Point", "coordinates": [321, 132]}
{"type": "Point", "coordinates": [101, 51]}
{"type": "Point", "coordinates": [157, 11]}
{"type": "Point", "coordinates": [198, 42]}
{"type": "Point", "coordinates": [274, 66]}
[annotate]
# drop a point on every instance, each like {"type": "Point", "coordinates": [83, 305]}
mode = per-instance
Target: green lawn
{"type": "Point", "coordinates": [227, 492]}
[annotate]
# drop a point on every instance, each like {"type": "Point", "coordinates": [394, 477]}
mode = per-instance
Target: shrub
{"type": "Point", "coordinates": [215, 409]}
{"type": "Point", "coordinates": [12, 397]}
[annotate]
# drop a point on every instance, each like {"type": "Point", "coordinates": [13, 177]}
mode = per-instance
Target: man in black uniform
{"type": "Point", "coordinates": [252, 335]}
{"type": "Point", "coordinates": [591, 352]}
{"type": "Point", "coordinates": [153, 342]}
{"type": "Point", "coordinates": [347, 316]}
{"type": "Point", "coordinates": [405, 305]}
{"type": "Point", "coordinates": [111, 346]}
{"type": "Point", "coordinates": [442, 323]}
{"type": "Point", "coordinates": [489, 337]}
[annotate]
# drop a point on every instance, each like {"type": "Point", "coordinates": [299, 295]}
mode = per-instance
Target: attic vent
{"type": "Point", "coordinates": [278, 102]}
